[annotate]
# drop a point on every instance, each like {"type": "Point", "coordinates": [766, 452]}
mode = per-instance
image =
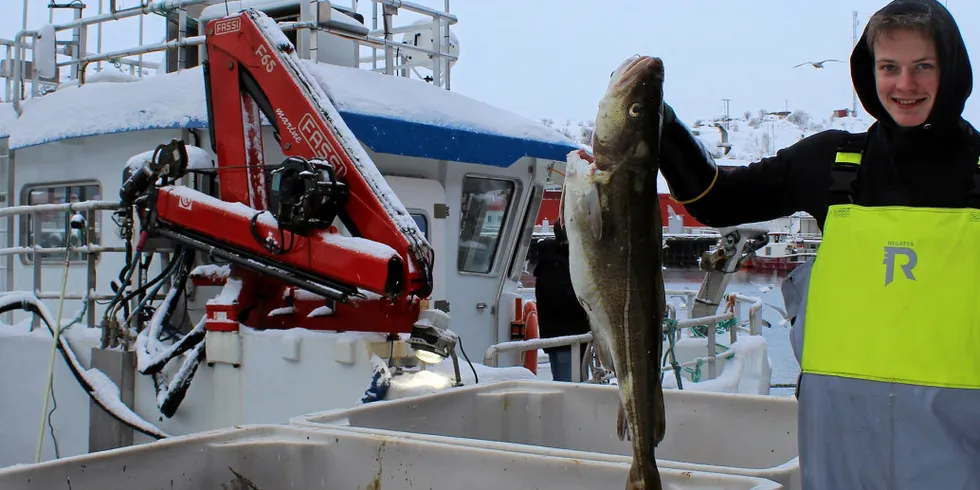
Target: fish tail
{"type": "Point", "coordinates": [640, 481]}
{"type": "Point", "coordinates": [661, 427]}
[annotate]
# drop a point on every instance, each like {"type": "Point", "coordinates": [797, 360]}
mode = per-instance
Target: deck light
{"type": "Point", "coordinates": [433, 342]}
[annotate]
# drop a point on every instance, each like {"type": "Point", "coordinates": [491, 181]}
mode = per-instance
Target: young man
{"type": "Point", "coordinates": [559, 312]}
{"type": "Point", "coordinates": [885, 323]}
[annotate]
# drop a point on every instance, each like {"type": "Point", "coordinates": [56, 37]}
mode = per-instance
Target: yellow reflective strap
{"type": "Point", "coordinates": [848, 157]}
{"type": "Point", "coordinates": [893, 296]}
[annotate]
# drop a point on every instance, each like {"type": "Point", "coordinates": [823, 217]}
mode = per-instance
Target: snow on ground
{"type": "Point", "coordinates": [756, 138]}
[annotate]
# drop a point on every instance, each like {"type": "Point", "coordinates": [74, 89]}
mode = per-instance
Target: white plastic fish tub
{"type": "Point", "coordinates": [734, 434]}
{"type": "Point", "coordinates": [281, 457]}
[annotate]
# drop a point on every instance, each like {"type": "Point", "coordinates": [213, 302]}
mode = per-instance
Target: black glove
{"type": "Point", "coordinates": [684, 161]}
{"type": "Point", "coordinates": [669, 116]}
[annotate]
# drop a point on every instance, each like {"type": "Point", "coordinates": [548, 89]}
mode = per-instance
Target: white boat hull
{"type": "Point", "coordinates": [282, 374]}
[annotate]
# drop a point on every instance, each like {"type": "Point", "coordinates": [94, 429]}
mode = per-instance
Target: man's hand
{"type": "Point", "coordinates": [684, 161]}
{"type": "Point", "coordinates": [669, 116]}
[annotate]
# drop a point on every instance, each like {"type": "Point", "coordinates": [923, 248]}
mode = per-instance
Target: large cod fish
{"type": "Point", "coordinates": [612, 217]}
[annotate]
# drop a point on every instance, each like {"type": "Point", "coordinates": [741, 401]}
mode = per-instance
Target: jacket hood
{"type": "Point", "coordinates": [955, 71]}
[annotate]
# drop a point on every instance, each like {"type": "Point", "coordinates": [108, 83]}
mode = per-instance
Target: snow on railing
{"type": "Point", "coordinates": [490, 358]}
{"type": "Point", "coordinates": [86, 247]}
{"type": "Point", "coordinates": [734, 312]}
{"type": "Point", "coordinates": [429, 43]}
{"type": "Point", "coordinates": [754, 321]}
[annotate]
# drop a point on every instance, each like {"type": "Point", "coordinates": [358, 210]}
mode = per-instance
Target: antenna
{"type": "Point", "coordinates": [727, 118]}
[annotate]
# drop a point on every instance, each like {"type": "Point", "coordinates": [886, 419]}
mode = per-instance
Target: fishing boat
{"type": "Point", "coordinates": [78, 127]}
{"type": "Point", "coordinates": [784, 252]}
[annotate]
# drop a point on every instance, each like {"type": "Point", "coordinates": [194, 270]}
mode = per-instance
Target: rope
{"type": "Point", "coordinates": [701, 331]}
{"type": "Point", "coordinates": [671, 332]}
{"type": "Point", "coordinates": [49, 391]}
{"type": "Point", "coordinates": [721, 328]}
{"type": "Point", "coordinates": [696, 371]}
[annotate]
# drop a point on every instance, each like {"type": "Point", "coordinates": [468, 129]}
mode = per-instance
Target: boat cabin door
{"type": "Point", "coordinates": [488, 216]}
{"type": "Point", "coordinates": [425, 200]}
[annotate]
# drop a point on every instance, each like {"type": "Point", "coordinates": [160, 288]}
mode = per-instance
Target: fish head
{"type": "Point", "coordinates": [629, 120]}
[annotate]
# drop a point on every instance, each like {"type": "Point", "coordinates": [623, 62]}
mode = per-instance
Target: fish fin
{"type": "Point", "coordinates": [622, 424]}
{"type": "Point", "coordinates": [603, 352]}
{"type": "Point", "coordinates": [593, 211]}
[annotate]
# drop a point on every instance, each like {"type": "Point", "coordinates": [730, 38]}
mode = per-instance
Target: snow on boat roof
{"type": "Point", "coordinates": [389, 114]}
{"type": "Point", "coordinates": [232, 7]}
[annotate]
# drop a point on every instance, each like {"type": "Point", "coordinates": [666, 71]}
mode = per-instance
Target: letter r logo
{"type": "Point", "coordinates": [890, 254]}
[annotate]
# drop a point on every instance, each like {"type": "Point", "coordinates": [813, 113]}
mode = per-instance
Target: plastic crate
{"type": "Point", "coordinates": [746, 435]}
{"type": "Point", "coordinates": [286, 457]}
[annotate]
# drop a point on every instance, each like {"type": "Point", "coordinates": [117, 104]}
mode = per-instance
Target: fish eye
{"type": "Point", "coordinates": [635, 109]}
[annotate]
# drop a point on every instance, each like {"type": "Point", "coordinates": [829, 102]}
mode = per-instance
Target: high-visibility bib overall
{"type": "Point", "coordinates": [890, 391]}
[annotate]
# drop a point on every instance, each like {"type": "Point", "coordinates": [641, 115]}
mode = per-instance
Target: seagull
{"type": "Point", "coordinates": [816, 64]}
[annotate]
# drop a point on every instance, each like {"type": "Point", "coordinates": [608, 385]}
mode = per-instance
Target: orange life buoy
{"type": "Point", "coordinates": [531, 332]}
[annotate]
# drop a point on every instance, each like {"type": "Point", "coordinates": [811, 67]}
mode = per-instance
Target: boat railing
{"type": "Point", "coordinates": [33, 55]}
{"type": "Point", "coordinates": [729, 315]}
{"type": "Point", "coordinates": [82, 215]}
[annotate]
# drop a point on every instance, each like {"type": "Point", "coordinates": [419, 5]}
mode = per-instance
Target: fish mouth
{"type": "Point", "coordinates": [633, 67]}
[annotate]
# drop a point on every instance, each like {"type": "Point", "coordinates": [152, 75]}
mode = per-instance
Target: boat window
{"type": "Point", "coordinates": [422, 221]}
{"type": "Point", "coordinates": [53, 226]}
{"type": "Point", "coordinates": [483, 212]}
{"type": "Point", "coordinates": [522, 265]}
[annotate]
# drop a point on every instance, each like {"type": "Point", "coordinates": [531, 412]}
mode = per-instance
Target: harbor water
{"type": "Point", "coordinates": [761, 284]}
{"type": "Point", "coordinates": [764, 285]}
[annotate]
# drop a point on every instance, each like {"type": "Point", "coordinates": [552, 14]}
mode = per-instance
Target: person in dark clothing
{"type": "Point", "coordinates": [880, 404]}
{"type": "Point", "coordinates": [559, 312]}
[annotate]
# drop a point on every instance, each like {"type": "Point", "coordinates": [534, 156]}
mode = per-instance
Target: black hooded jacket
{"type": "Point", "coordinates": [931, 165]}
{"type": "Point", "coordinates": [559, 312]}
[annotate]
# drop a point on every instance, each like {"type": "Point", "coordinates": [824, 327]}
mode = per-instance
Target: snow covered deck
{"type": "Point", "coordinates": [388, 114]}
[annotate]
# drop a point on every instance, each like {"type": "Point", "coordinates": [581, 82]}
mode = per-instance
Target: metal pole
{"type": "Point", "coordinates": [437, 47]}
{"type": "Point", "coordinates": [158, 7]}
{"type": "Point", "coordinates": [444, 59]}
{"type": "Point", "coordinates": [140, 58]}
{"type": "Point", "coordinates": [727, 118]}
{"type": "Point", "coordinates": [98, 43]}
{"type": "Point", "coordinates": [79, 44]}
{"type": "Point", "coordinates": [303, 35]}
{"type": "Point", "coordinates": [190, 41]}
{"type": "Point", "coordinates": [8, 84]}
{"type": "Point", "coordinates": [386, 13]}
{"type": "Point", "coordinates": [23, 23]}
{"type": "Point", "coordinates": [374, 27]}
{"type": "Point", "coordinates": [181, 35]}
{"type": "Point", "coordinates": [854, 40]}
{"type": "Point", "coordinates": [19, 54]}
{"type": "Point", "coordinates": [419, 9]}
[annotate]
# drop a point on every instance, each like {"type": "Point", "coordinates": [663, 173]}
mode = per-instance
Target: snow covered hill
{"type": "Point", "coordinates": [751, 137]}
{"type": "Point", "coordinates": [743, 140]}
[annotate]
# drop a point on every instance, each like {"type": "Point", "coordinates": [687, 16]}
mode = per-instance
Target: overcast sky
{"type": "Point", "coordinates": [550, 58]}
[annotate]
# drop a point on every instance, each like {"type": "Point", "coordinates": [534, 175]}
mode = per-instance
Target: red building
{"type": "Point", "coordinates": [551, 199]}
